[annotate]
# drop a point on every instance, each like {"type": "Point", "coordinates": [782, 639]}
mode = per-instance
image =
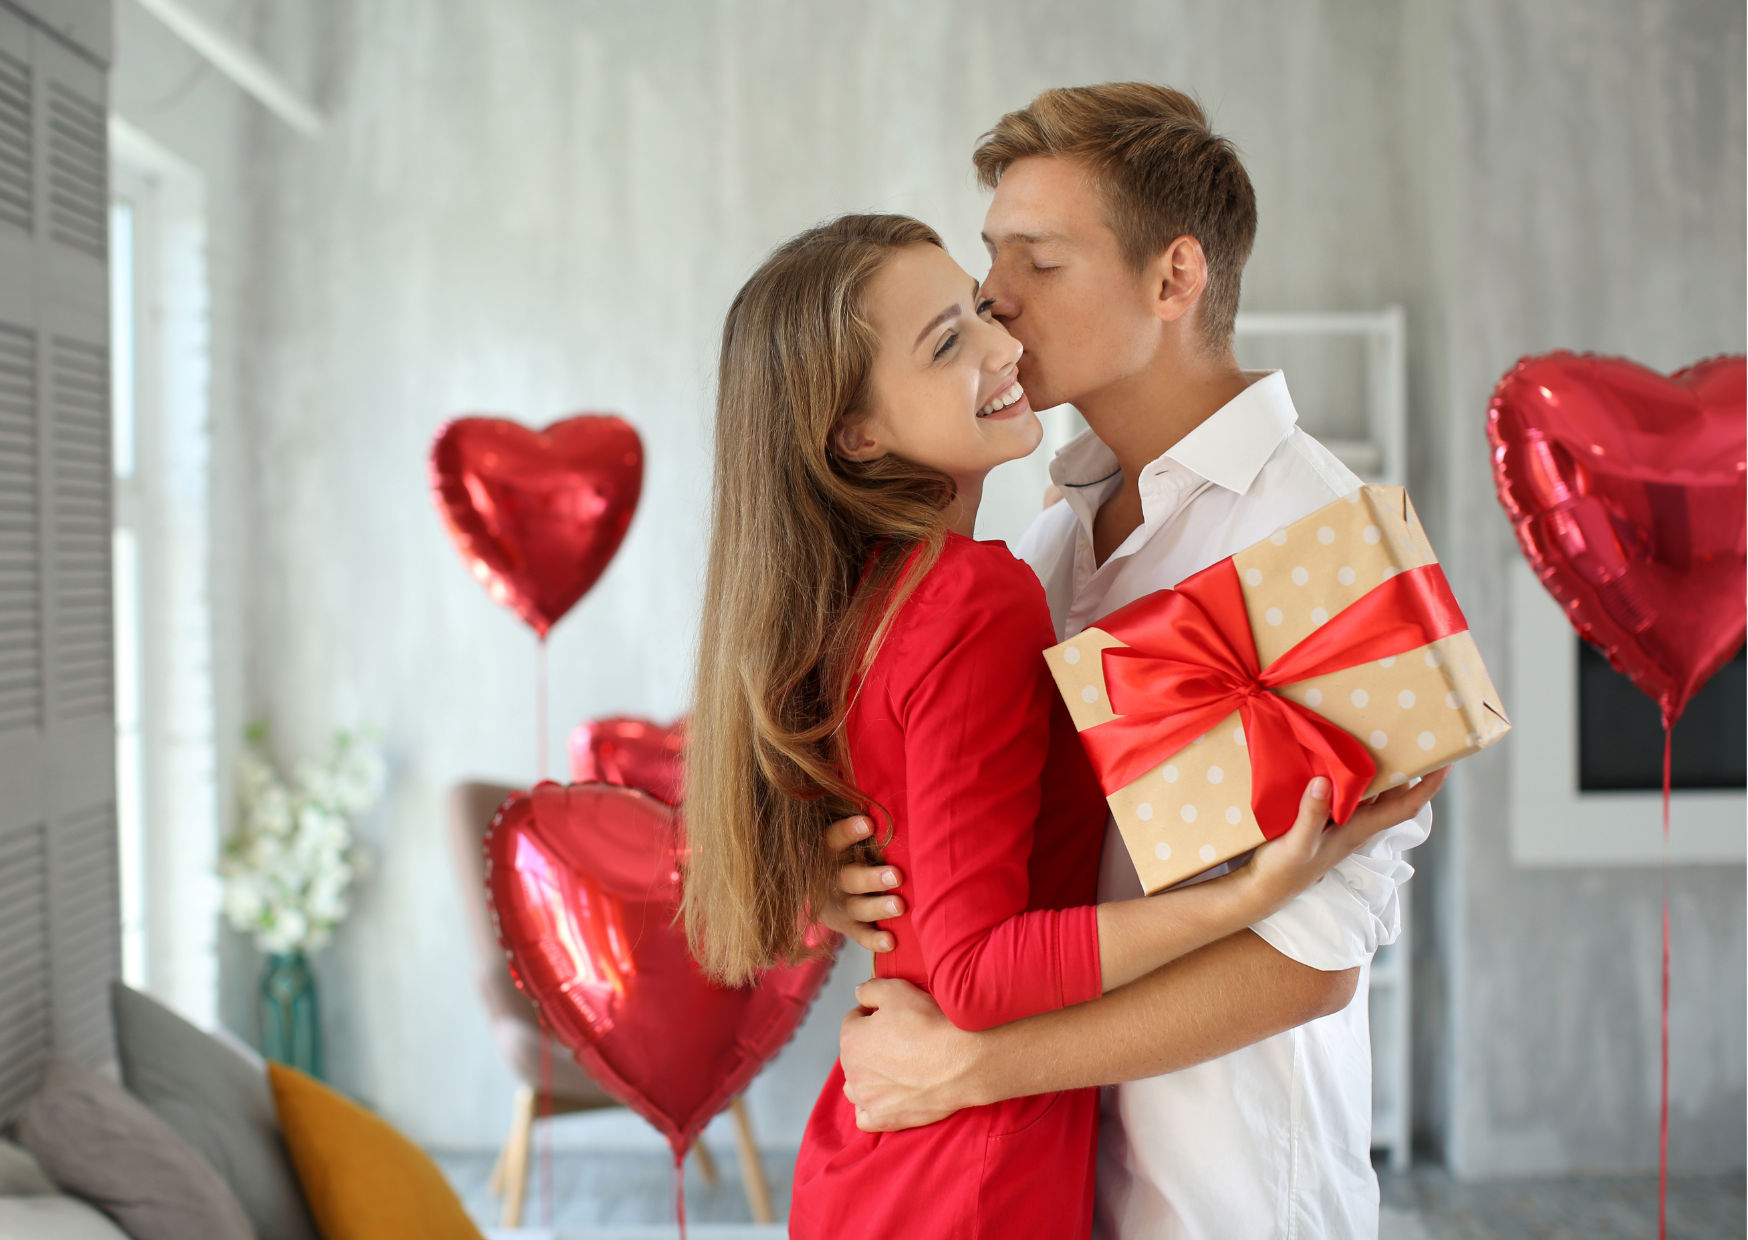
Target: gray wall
{"type": "Point", "coordinates": [1596, 190]}
{"type": "Point", "coordinates": [531, 208]}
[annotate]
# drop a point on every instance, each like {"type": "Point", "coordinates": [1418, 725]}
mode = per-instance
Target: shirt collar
{"type": "Point", "coordinates": [1229, 449]}
{"type": "Point", "coordinates": [1233, 445]}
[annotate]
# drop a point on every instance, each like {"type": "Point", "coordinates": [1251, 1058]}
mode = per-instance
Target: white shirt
{"type": "Point", "coordinates": [1274, 1140]}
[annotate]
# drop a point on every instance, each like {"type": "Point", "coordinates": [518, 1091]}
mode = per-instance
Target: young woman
{"type": "Point", "coordinates": [862, 654]}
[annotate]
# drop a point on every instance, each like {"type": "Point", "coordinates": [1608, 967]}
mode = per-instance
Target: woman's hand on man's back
{"type": "Point", "coordinates": [864, 894]}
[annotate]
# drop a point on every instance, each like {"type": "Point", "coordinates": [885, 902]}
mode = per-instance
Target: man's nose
{"type": "Point", "coordinates": [1002, 304]}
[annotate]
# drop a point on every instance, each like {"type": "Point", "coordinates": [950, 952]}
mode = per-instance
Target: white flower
{"type": "Point", "coordinates": [290, 867]}
{"type": "Point", "coordinates": [272, 810]}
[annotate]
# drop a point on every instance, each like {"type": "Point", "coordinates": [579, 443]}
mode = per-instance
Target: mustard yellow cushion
{"type": "Point", "coordinates": [363, 1180]}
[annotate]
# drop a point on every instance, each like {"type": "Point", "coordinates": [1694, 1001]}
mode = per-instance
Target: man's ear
{"type": "Point", "coordinates": [1178, 276]}
{"type": "Point", "coordinates": [850, 441]}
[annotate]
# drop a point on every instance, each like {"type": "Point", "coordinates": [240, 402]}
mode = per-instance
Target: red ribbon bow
{"type": "Point", "coordinates": [1191, 661]}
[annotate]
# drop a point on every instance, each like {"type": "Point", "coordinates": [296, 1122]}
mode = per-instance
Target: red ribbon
{"type": "Point", "coordinates": [1191, 661]}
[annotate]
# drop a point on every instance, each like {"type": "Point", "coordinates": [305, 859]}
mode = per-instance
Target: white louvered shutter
{"type": "Point", "coordinates": [59, 915]}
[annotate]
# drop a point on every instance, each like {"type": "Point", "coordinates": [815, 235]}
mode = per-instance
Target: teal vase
{"type": "Point", "coordinates": [291, 1030]}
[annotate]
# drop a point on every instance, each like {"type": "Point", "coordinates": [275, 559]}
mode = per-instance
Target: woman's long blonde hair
{"type": "Point", "coordinates": [810, 556]}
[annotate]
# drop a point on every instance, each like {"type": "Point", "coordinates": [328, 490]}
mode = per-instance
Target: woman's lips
{"type": "Point", "coordinates": [1014, 395]}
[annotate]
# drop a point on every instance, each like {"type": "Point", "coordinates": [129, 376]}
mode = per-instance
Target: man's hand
{"type": "Point", "coordinates": [905, 1064]}
{"type": "Point", "coordinates": [864, 893]}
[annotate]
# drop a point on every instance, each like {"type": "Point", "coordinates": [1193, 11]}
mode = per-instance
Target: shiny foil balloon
{"type": "Point", "coordinates": [537, 515]}
{"type": "Point", "coordinates": [633, 753]}
{"type": "Point", "coordinates": [583, 882]}
{"type": "Point", "coordinates": [1627, 490]}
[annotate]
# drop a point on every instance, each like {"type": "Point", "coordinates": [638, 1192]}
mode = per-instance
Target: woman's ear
{"type": "Point", "coordinates": [850, 441]}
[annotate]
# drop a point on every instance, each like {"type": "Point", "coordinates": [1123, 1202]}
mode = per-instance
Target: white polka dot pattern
{"type": "Point", "coordinates": [1440, 704]}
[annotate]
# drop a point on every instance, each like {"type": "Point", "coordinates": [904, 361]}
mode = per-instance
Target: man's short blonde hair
{"type": "Point", "coordinates": [1162, 172]}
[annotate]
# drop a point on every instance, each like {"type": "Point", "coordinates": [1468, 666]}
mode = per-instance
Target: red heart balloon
{"type": "Point", "coordinates": [583, 882]}
{"type": "Point", "coordinates": [1627, 490]}
{"type": "Point", "coordinates": [632, 753]}
{"type": "Point", "coordinates": [537, 515]}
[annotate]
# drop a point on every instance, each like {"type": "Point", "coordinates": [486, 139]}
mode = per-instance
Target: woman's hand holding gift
{"type": "Point", "coordinates": [1138, 936]}
{"type": "Point", "coordinates": [1283, 867]}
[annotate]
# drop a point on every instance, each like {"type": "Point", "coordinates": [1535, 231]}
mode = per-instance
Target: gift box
{"type": "Point", "coordinates": [1332, 647]}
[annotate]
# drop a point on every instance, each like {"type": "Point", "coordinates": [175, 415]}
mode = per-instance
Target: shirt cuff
{"type": "Point", "coordinates": [1342, 919]}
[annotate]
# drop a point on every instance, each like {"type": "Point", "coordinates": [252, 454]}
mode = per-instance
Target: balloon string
{"type": "Point", "coordinates": [1663, 1104]}
{"type": "Point", "coordinates": [546, 1190]}
{"type": "Point", "coordinates": [540, 711]}
{"type": "Point", "coordinates": [680, 1192]}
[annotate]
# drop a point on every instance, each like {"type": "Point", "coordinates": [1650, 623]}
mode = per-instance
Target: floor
{"type": "Point", "coordinates": [630, 1196]}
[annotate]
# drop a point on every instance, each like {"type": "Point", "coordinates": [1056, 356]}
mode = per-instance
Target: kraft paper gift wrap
{"type": "Point", "coordinates": [1380, 705]}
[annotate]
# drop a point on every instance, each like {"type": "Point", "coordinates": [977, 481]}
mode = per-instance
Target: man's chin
{"type": "Point", "coordinates": [1042, 400]}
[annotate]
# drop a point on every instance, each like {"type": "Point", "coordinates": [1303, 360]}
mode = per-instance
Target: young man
{"type": "Point", "coordinates": [1241, 1104]}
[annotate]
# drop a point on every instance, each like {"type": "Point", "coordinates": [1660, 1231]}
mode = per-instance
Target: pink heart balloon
{"type": "Point", "coordinates": [1627, 489]}
{"type": "Point", "coordinates": [583, 882]}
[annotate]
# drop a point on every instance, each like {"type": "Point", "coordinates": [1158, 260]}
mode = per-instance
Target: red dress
{"type": "Point", "coordinates": [997, 821]}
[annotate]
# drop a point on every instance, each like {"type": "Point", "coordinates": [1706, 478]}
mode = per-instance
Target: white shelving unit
{"type": "Point", "coordinates": [1375, 447]}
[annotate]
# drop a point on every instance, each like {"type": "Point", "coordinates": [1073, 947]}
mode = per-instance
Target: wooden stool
{"type": "Point", "coordinates": [510, 1173]}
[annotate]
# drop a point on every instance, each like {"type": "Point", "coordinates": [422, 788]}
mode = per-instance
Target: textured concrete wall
{"type": "Point", "coordinates": [530, 208]}
{"type": "Point", "coordinates": [1596, 183]}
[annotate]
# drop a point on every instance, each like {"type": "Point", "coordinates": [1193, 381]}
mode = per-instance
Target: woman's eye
{"type": "Point", "coordinates": [984, 306]}
{"type": "Point", "coordinates": [946, 345]}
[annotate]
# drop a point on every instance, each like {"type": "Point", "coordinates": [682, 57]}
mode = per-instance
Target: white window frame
{"type": "Point", "coordinates": [1552, 822]}
{"type": "Point", "coordinates": [171, 840]}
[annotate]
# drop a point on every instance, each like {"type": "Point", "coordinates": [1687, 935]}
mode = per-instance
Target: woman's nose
{"type": "Point", "coordinates": [1007, 350]}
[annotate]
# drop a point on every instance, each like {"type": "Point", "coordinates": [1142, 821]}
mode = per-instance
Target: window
{"type": "Point", "coordinates": [167, 802]}
{"type": "Point", "coordinates": [1620, 731]}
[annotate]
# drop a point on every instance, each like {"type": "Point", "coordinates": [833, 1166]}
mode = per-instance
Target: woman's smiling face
{"type": "Point", "coordinates": [944, 390]}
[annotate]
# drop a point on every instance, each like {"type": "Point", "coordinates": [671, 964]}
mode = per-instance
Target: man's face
{"type": "Point", "coordinates": [1058, 282]}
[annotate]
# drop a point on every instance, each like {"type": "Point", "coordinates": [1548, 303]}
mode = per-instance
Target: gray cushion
{"type": "Point", "coordinates": [99, 1141]}
{"type": "Point", "coordinates": [217, 1102]}
{"type": "Point", "coordinates": [54, 1218]}
{"type": "Point", "coordinates": [20, 1176]}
